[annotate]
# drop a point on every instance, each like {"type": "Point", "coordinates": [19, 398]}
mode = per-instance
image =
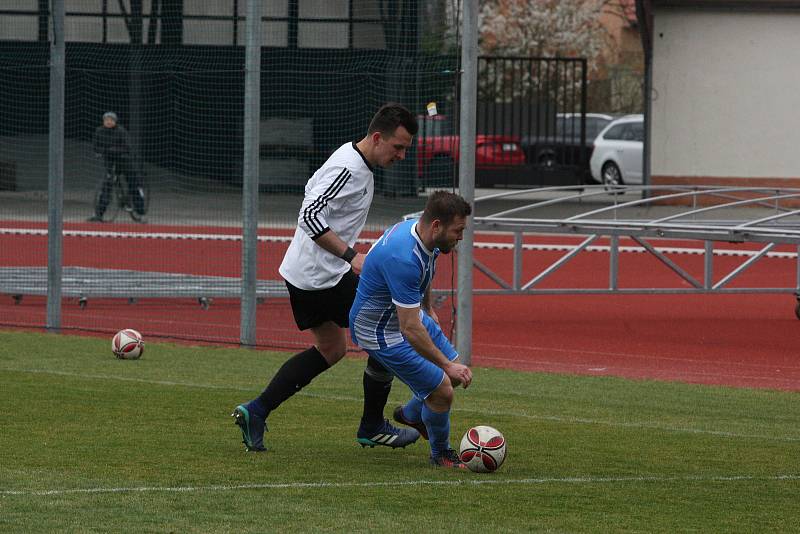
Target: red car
{"type": "Point", "coordinates": [438, 151]}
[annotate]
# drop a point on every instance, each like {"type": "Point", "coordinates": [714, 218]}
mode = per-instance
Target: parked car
{"type": "Point", "coordinates": [558, 146]}
{"type": "Point", "coordinates": [438, 152]}
{"type": "Point", "coordinates": [617, 156]}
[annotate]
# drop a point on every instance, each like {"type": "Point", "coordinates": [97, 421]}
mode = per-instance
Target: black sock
{"type": "Point", "coordinates": [295, 374]}
{"type": "Point", "coordinates": [377, 385]}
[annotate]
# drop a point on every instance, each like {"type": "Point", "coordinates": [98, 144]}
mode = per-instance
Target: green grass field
{"type": "Point", "coordinates": [93, 444]}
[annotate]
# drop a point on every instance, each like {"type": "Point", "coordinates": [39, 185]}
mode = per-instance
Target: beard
{"type": "Point", "coordinates": [446, 247]}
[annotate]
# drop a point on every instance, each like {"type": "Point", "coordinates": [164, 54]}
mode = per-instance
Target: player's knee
{"type": "Point", "coordinates": [332, 352]}
{"type": "Point", "coordinates": [376, 371]}
{"type": "Point", "coordinates": [442, 397]}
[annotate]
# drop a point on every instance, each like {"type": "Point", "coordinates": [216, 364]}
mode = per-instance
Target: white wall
{"type": "Point", "coordinates": [726, 99]}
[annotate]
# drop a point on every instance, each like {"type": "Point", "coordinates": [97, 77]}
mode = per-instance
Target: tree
{"type": "Point", "coordinates": [552, 28]}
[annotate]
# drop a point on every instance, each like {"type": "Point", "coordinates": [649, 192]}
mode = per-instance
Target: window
{"type": "Point", "coordinates": [616, 132]}
{"type": "Point", "coordinates": [303, 24]}
{"type": "Point", "coordinates": [638, 131]}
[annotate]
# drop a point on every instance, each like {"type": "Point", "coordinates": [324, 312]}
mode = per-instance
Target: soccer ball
{"type": "Point", "coordinates": [483, 449]}
{"type": "Point", "coordinates": [127, 344]}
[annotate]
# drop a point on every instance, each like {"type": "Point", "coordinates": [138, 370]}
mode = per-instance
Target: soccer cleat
{"type": "Point", "coordinates": [448, 458]}
{"type": "Point", "coordinates": [387, 435]}
{"type": "Point", "coordinates": [252, 427]}
{"type": "Point", "coordinates": [95, 218]}
{"type": "Point", "coordinates": [419, 426]}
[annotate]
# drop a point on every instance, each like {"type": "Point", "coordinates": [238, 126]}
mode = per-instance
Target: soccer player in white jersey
{"type": "Point", "coordinates": [321, 273]}
{"type": "Point", "coordinates": [392, 321]}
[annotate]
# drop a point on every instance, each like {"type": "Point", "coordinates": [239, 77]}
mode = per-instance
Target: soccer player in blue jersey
{"type": "Point", "coordinates": [392, 321]}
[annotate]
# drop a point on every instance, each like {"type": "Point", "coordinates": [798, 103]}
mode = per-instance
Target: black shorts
{"type": "Point", "coordinates": [312, 308]}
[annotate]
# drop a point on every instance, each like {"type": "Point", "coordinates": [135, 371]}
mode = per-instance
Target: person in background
{"type": "Point", "coordinates": [112, 144]}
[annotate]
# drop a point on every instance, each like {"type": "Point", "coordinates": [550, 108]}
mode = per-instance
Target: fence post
{"type": "Point", "coordinates": [55, 167]}
{"type": "Point", "coordinates": [466, 171]}
{"type": "Point", "coordinates": [250, 179]}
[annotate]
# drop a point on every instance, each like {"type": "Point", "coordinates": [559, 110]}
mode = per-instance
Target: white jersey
{"type": "Point", "coordinates": [337, 198]}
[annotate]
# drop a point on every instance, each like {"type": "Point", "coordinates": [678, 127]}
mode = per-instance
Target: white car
{"type": "Point", "coordinates": [617, 156]}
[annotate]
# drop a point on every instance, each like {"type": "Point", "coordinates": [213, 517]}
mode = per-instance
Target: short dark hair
{"type": "Point", "coordinates": [389, 117]}
{"type": "Point", "coordinates": [445, 206]}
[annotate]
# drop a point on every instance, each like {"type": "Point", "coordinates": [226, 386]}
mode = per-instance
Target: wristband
{"type": "Point", "coordinates": [348, 254]}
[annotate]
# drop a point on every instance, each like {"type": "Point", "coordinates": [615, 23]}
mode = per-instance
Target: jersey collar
{"type": "Point", "coordinates": [419, 241]}
{"type": "Point", "coordinates": [355, 147]}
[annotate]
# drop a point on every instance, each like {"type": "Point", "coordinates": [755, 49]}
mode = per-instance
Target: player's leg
{"type": "Point", "coordinates": [374, 428]}
{"type": "Point", "coordinates": [411, 413]}
{"type": "Point", "coordinates": [323, 312]}
{"type": "Point", "coordinates": [436, 416]}
{"type": "Point", "coordinates": [299, 370]}
{"type": "Point", "coordinates": [295, 374]}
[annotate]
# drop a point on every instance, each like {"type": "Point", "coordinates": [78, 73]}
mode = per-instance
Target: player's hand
{"type": "Point", "coordinates": [434, 316]}
{"type": "Point", "coordinates": [459, 374]}
{"type": "Point", "coordinates": [358, 263]}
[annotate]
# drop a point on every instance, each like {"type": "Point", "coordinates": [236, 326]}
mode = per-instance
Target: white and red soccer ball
{"type": "Point", "coordinates": [483, 449]}
{"type": "Point", "coordinates": [127, 344]}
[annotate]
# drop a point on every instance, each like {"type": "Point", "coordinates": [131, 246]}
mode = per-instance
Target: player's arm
{"type": "Point", "coordinates": [417, 335]}
{"type": "Point", "coordinates": [427, 306]}
{"type": "Point", "coordinates": [334, 244]}
{"type": "Point", "coordinates": [314, 213]}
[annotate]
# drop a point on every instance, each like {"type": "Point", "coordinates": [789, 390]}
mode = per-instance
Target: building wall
{"type": "Point", "coordinates": [725, 97]}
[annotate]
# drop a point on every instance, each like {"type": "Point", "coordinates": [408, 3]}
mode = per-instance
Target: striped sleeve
{"type": "Point", "coordinates": [313, 217]}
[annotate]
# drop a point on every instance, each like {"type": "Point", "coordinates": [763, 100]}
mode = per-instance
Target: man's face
{"type": "Point", "coordinates": [392, 148]}
{"type": "Point", "coordinates": [108, 122]}
{"type": "Point", "coordinates": [447, 237]}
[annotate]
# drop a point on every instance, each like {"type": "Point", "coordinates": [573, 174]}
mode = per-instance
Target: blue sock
{"type": "Point", "coordinates": [438, 425]}
{"type": "Point", "coordinates": [413, 410]}
{"type": "Point", "coordinates": [257, 407]}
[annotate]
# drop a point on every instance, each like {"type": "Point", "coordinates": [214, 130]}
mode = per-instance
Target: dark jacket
{"type": "Point", "coordinates": [111, 141]}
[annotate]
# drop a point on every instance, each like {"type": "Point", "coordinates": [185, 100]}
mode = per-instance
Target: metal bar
{"type": "Point", "coordinates": [558, 264]}
{"type": "Point", "coordinates": [55, 182]}
{"type": "Point", "coordinates": [491, 274]}
{"type": "Point", "coordinates": [797, 271]}
{"type": "Point", "coordinates": [466, 168]}
{"type": "Point", "coordinates": [639, 291]}
{"type": "Point", "coordinates": [613, 263]}
{"type": "Point", "coordinates": [768, 219]}
{"type": "Point", "coordinates": [252, 117]}
{"type": "Point", "coordinates": [708, 265]}
{"type": "Point", "coordinates": [641, 201]}
{"type": "Point", "coordinates": [732, 205]}
{"type": "Point", "coordinates": [517, 259]}
{"type": "Point", "coordinates": [668, 262]}
{"type": "Point", "coordinates": [741, 268]}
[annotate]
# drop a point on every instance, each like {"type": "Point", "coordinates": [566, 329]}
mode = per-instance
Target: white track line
{"type": "Point", "coordinates": [486, 413]}
{"type": "Point", "coordinates": [395, 483]}
{"type": "Point", "coordinates": [479, 244]}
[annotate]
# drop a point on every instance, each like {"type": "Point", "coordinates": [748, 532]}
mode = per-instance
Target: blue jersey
{"type": "Point", "coordinates": [397, 272]}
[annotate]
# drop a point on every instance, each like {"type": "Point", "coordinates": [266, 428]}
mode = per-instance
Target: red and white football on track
{"type": "Point", "coordinates": [483, 449]}
{"type": "Point", "coordinates": [127, 344]}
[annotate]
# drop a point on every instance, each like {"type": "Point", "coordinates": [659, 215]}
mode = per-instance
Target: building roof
{"type": "Point", "coordinates": [643, 10]}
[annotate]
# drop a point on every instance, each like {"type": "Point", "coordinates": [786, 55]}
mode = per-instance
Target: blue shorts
{"type": "Point", "coordinates": [416, 371]}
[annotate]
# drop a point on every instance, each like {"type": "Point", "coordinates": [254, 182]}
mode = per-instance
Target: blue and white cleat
{"type": "Point", "coordinates": [388, 436]}
{"type": "Point", "coordinates": [252, 427]}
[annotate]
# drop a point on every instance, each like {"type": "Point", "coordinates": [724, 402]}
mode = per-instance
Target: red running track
{"type": "Point", "coordinates": [735, 340]}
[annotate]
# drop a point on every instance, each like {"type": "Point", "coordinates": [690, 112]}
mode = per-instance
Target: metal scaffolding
{"type": "Point", "coordinates": [710, 215]}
